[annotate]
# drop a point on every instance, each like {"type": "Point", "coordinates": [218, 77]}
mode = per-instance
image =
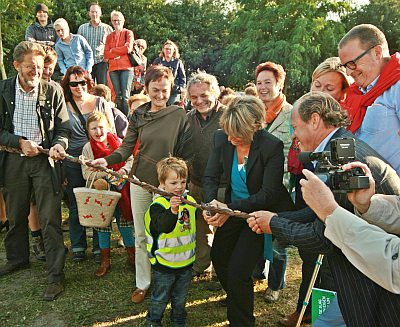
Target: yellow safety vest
{"type": "Point", "coordinates": [175, 249]}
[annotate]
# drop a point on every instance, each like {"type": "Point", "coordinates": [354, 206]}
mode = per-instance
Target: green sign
{"type": "Point", "coordinates": [321, 299]}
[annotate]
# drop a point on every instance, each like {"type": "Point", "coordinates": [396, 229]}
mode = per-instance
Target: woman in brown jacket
{"type": "Point", "coordinates": [161, 131]}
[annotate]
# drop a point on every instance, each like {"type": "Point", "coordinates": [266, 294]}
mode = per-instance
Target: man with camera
{"type": "Point", "coordinates": [365, 242]}
{"type": "Point", "coordinates": [317, 118]}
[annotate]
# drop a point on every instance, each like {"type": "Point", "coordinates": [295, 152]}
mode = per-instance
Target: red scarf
{"type": "Point", "coordinates": [356, 103]}
{"type": "Point", "coordinates": [100, 150]}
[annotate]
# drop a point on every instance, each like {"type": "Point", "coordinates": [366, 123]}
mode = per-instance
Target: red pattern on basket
{"type": "Point", "coordinates": [98, 202]}
{"type": "Point", "coordinates": [102, 216]}
{"type": "Point", "coordinates": [87, 199]}
{"type": "Point", "coordinates": [87, 216]}
{"type": "Point", "coordinates": [110, 203]}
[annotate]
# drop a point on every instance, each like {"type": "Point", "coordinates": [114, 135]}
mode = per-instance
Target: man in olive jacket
{"type": "Point", "coordinates": [33, 115]}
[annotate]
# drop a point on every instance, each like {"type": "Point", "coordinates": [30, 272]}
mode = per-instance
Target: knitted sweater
{"type": "Point", "coordinates": [162, 133]}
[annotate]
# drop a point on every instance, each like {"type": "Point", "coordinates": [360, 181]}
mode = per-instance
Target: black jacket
{"type": "Point", "coordinates": [264, 173]}
{"type": "Point", "coordinates": [362, 302]}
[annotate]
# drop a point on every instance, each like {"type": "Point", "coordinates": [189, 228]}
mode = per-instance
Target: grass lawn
{"type": "Point", "coordinates": [92, 301]}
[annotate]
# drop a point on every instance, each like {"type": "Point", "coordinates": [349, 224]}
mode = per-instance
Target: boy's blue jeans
{"type": "Point", "coordinates": [169, 286]}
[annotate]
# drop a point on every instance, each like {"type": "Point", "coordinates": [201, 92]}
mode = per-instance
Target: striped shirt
{"type": "Point", "coordinates": [25, 119]}
{"type": "Point", "coordinates": [96, 37]}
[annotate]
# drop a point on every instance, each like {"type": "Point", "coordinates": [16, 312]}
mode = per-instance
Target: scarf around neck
{"type": "Point", "coordinates": [356, 102]}
{"type": "Point", "coordinates": [272, 112]}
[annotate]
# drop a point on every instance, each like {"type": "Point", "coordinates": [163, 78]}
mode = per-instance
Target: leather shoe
{"type": "Point", "coordinates": [53, 290]}
{"type": "Point", "coordinates": [291, 320]}
{"type": "Point", "coordinates": [138, 295]}
{"type": "Point", "coordinates": [8, 268]}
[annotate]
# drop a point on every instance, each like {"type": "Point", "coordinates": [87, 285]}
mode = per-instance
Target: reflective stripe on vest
{"type": "Point", "coordinates": [175, 249]}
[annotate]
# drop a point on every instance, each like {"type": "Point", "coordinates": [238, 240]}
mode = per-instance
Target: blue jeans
{"type": "Point", "coordinates": [331, 317]}
{"type": "Point", "coordinates": [122, 83]}
{"type": "Point", "coordinates": [99, 72]}
{"type": "Point", "coordinates": [277, 269]}
{"type": "Point", "coordinates": [174, 97]}
{"type": "Point", "coordinates": [172, 285]}
{"type": "Point", "coordinates": [77, 232]}
{"type": "Point", "coordinates": [126, 233]}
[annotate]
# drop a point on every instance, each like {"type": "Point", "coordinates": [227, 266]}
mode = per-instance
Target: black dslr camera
{"type": "Point", "coordinates": [329, 163]}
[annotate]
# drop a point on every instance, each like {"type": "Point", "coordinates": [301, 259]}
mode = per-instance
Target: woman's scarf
{"type": "Point", "coordinates": [356, 102]}
{"type": "Point", "coordinates": [273, 111]}
{"type": "Point", "coordinates": [100, 150]}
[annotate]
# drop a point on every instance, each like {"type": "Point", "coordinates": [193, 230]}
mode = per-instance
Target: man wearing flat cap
{"type": "Point", "coordinates": [42, 30]}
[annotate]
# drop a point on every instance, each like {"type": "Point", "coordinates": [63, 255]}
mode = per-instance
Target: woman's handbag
{"type": "Point", "coordinates": [134, 57]}
{"type": "Point", "coordinates": [95, 207]}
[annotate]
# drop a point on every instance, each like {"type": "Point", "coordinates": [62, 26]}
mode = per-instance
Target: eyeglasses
{"type": "Point", "coordinates": [117, 20]}
{"type": "Point", "coordinates": [75, 84]}
{"type": "Point", "coordinates": [352, 63]}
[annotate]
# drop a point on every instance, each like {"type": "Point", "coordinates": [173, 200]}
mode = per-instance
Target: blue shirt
{"type": "Point", "coordinates": [380, 128]}
{"type": "Point", "coordinates": [239, 191]}
{"type": "Point", "coordinates": [76, 53]}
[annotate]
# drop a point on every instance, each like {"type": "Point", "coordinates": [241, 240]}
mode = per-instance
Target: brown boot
{"type": "Point", "coordinates": [131, 256]}
{"type": "Point", "coordinates": [105, 263]}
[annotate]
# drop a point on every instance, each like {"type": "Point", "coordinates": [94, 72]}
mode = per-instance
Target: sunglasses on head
{"type": "Point", "coordinates": [75, 84]}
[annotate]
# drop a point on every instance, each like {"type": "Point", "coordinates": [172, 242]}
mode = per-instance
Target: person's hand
{"type": "Point", "coordinates": [98, 162]}
{"type": "Point", "coordinates": [122, 171]}
{"type": "Point", "coordinates": [29, 148]}
{"type": "Point", "coordinates": [317, 195]}
{"type": "Point", "coordinates": [57, 152]}
{"type": "Point", "coordinates": [218, 219]}
{"type": "Point", "coordinates": [259, 221]}
{"type": "Point", "coordinates": [175, 202]}
{"type": "Point", "coordinates": [361, 199]}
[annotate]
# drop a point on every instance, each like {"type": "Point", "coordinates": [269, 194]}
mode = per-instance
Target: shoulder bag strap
{"type": "Point", "coordinates": [80, 116]}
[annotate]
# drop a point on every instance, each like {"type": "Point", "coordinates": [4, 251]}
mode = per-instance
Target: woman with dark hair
{"type": "Point", "coordinates": [118, 44]}
{"type": "Point", "coordinates": [251, 159]}
{"type": "Point", "coordinates": [169, 57]}
{"type": "Point", "coordinates": [80, 104]}
{"type": "Point", "coordinates": [162, 131]}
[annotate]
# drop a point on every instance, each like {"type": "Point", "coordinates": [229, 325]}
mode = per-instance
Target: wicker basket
{"type": "Point", "coordinates": [95, 207]}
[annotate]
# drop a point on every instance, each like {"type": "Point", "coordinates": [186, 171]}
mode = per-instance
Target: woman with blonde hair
{"type": "Point", "coordinates": [169, 57]}
{"type": "Point", "coordinates": [252, 161]}
{"type": "Point", "coordinates": [118, 44]}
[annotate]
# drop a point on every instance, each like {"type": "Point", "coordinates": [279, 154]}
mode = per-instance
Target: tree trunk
{"type": "Point", "coordinates": [2, 68]}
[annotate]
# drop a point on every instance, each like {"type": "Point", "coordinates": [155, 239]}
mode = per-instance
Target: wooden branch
{"type": "Point", "coordinates": [146, 186]}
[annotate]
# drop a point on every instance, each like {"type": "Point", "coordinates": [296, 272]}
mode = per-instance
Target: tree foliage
{"type": "Point", "coordinates": [228, 38]}
{"type": "Point", "coordinates": [297, 34]}
{"type": "Point", "coordinates": [385, 14]}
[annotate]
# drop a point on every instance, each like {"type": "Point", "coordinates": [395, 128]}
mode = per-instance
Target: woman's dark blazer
{"type": "Point", "coordinates": [264, 173]}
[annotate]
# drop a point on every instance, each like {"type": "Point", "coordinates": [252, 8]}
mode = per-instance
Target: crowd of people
{"type": "Point", "coordinates": [202, 143]}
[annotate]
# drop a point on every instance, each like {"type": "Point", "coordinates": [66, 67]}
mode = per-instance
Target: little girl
{"type": "Point", "coordinates": [102, 143]}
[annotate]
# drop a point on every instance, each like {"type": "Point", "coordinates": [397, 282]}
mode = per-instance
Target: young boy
{"type": "Point", "coordinates": [170, 228]}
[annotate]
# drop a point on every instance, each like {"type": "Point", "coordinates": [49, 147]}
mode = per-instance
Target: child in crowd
{"type": "Point", "coordinates": [120, 120]}
{"type": "Point", "coordinates": [170, 228]}
{"type": "Point", "coordinates": [102, 143]}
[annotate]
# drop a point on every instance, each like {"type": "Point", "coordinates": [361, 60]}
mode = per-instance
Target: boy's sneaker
{"type": "Point", "coordinates": [78, 256]}
{"type": "Point", "coordinates": [38, 248]}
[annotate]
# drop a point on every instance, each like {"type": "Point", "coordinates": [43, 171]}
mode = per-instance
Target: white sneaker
{"type": "Point", "coordinates": [271, 296]}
